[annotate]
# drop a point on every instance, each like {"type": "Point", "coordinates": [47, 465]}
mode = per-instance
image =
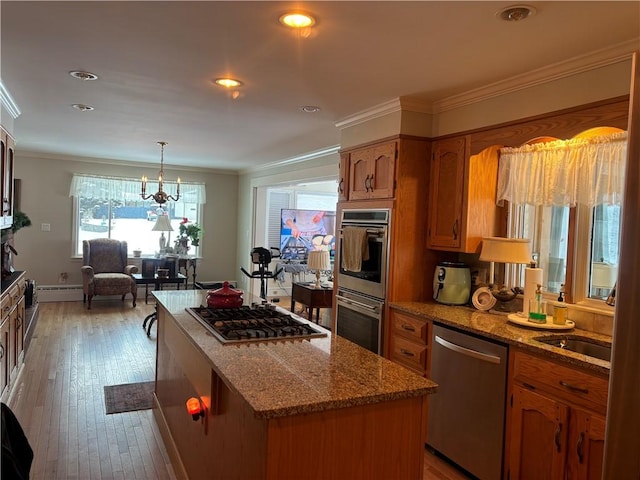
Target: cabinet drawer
{"type": "Point", "coordinates": [409, 354]}
{"type": "Point", "coordinates": [409, 327]}
{"type": "Point", "coordinates": [10, 299]}
{"type": "Point", "coordinates": [575, 386]}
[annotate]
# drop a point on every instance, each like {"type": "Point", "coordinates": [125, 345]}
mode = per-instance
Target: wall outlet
{"type": "Point", "coordinates": [45, 227]}
{"type": "Point", "coordinates": [63, 277]}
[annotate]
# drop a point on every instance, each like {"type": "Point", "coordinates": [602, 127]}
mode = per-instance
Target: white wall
{"type": "Point", "coordinates": [321, 168]}
{"type": "Point", "coordinates": [45, 199]}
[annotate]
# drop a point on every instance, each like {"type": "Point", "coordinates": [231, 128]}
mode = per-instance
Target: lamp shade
{"type": "Point", "coordinates": [506, 250]}
{"type": "Point", "coordinates": [319, 260]}
{"type": "Point", "coordinates": [603, 275]}
{"type": "Point", "coordinates": [163, 224]}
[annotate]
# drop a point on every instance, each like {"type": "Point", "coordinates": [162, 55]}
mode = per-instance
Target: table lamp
{"type": "Point", "coordinates": [504, 250]}
{"type": "Point", "coordinates": [163, 224]}
{"type": "Point", "coordinates": [318, 260]}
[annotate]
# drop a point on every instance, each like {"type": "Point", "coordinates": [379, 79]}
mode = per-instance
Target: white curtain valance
{"type": "Point", "coordinates": [587, 171]}
{"type": "Point", "coordinates": [108, 188]}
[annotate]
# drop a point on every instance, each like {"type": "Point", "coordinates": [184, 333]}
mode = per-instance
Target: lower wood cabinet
{"type": "Point", "coordinates": [556, 424]}
{"type": "Point", "coordinates": [409, 341]}
{"type": "Point", "coordinates": [12, 331]}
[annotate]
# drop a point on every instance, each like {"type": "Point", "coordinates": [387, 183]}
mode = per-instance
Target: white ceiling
{"type": "Point", "coordinates": [156, 60]}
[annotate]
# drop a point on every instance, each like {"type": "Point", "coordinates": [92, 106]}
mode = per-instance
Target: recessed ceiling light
{"type": "Point", "coordinates": [228, 82]}
{"type": "Point", "coordinates": [79, 74]}
{"type": "Point", "coordinates": [310, 109]}
{"type": "Point", "coordinates": [297, 20]}
{"type": "Point", "coordinates": [82, 107]}
{"type": "Point", "coordinates": [515, 13]}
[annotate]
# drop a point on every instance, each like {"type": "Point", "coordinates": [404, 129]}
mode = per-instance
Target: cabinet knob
{"type": "Point", "coordinates": [556, 436]}
{"type": "Point", "coordinates": [406, 352]}
{"type": "Point", "coordinates": [340, 188]}
{"type": "Point", "coordinates": [579, 447]}
{"type": "Point", "coordinates": [573, 388]}
{"type": "Point", "coordinates": [408, 327]}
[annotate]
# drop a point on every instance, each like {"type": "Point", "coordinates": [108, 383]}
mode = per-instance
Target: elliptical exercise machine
{"type": "Point", "coordinates": [262, 257]}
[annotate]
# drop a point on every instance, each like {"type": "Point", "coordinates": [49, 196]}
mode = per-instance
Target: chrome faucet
{"type": "Point", "coordinates": [611, 299]}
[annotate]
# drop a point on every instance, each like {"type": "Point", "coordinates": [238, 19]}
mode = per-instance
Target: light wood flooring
{"type": "Point", "coordinates": [59, 397]}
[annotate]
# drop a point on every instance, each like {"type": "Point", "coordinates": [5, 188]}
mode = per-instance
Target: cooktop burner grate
{"type": "Point", "coordinates": [255, 323]}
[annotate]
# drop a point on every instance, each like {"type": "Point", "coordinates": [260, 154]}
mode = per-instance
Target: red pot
{"type": "Point", "coordinates": [225, 297]}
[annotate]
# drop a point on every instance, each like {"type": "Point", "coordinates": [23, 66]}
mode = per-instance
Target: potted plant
{"type": "Point", "coordinates": [187, 232]}
{"type": "Point", "coordinates": [20, 220]}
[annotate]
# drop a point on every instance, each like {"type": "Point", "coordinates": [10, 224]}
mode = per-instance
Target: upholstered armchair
{"type": "Point", "coordinates": [105, 270]}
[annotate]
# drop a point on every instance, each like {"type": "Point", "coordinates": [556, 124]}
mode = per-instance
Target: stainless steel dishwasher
{"type": "Point", "coordinates": [467, 414]}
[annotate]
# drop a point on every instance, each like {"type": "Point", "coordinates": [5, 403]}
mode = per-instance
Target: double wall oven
{"type": "Point", "coordinates": [361, 292]}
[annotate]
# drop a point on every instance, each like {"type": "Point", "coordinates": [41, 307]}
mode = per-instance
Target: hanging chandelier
{"type": "Point", "coordinates": [160, 196]}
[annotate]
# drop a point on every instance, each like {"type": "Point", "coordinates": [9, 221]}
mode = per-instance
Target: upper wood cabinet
{"type": "Point", "coordinates": [463, 190]}
{"type": "Point", "coordinates": [447, 186]}
{"type": "Point", "coordinates": [372, 171]}
{"type": "Point", "coordinates": [6, 187]}
{"type": "Point", "coordinates": [343, 178]}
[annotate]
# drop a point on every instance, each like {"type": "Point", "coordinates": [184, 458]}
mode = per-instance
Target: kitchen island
{"type": "Point", "coordinates": [320, 408]}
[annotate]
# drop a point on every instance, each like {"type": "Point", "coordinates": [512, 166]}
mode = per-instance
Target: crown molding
{"type": "Point", "coordinates": [407, 104]}
{"type": "Point", "coordinates": [597, 59]}
{"type": "Point", "coordinates": [8, 102]}
{"type": "Point", "coordinates": [600, 58]}
{"type": "Point", "coordinates": [38, 155]}
{"type": "Point", "coordinates": [305, 157]}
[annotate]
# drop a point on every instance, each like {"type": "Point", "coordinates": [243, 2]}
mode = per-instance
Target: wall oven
{"type": "Point", "coordinates": [359, 319]}
{"type": "Point", "coordinates": [372, 278]}
{"type": "Point", "coordinates": [361, 294]}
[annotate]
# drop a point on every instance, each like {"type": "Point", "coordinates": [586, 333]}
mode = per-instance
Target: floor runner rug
{"type": "Point", "coordinates": [128, 397]}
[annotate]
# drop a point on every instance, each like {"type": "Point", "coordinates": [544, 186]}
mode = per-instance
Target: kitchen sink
{"type": "Point", "coordinates": [583, 345]}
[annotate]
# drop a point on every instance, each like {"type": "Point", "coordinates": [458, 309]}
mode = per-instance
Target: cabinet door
{"type": "Point", "coordinates": [19, 331]}
{"type": "Point", "coordinates": [4, 354]}
{"type": "Point", "coordinates": [359, 173]}
{"type": "Point", "coordinates": [12, 352]}
{"type": "Point", "coordinates": [586, 446]}
{"type": "Point", "coordinates": [7, 151]}
{"type": "Point", "coordinates": [539, 433]}
{"type": "Point", "coordinates": [381, 175]}
{"type": "Point", "coordinates": [447, 189]}
{"type": "Point", "coordinates": [343, 179]}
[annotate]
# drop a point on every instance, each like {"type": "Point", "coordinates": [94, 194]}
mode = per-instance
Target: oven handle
{"type": "Point", "coordinates": [348, 301]}
{"type": "Point", "coordinates": [376, 231]}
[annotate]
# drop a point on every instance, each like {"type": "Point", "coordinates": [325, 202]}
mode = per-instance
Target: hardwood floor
{"type": "Point", "coordinates": [59, 397]}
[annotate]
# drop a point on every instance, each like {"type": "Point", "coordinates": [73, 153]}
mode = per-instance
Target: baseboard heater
{"type": "Point", "coordinates": [72, 293]}
{"type": "Point", "coordinates": [59, 293]}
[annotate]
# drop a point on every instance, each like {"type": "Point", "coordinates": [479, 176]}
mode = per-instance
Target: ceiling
{"type": "Point", "coordinates": [156, 62]}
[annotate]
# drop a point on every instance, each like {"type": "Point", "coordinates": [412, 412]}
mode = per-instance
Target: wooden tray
{"type": "Point", "coordinates": [524, 322]}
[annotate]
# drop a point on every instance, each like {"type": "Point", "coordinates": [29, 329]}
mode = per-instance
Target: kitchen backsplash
{"type": "Point", "coordinates": [591, 321]}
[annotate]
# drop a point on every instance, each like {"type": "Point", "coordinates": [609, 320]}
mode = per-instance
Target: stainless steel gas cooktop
{"type": "Point", "coordinates": [254, 323]}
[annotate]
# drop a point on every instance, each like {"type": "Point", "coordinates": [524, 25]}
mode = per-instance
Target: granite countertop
{"type": "Point", "coordinates": [292, 377]}
{"type": "Point", "coordinates": [9, 280]}
{"type": "Point", "coordinates": [496, 327]}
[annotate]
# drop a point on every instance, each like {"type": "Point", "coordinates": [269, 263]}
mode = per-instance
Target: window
{"type": "Point", "coordinates": [112, 207]}
{"type": "Point", "coordinates": [548, 230]}
{"type": "Point", "coordinates": [565, 196]}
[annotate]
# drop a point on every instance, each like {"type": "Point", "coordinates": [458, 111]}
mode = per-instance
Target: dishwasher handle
{"type": "Point", "coordinates": [467, 351]}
